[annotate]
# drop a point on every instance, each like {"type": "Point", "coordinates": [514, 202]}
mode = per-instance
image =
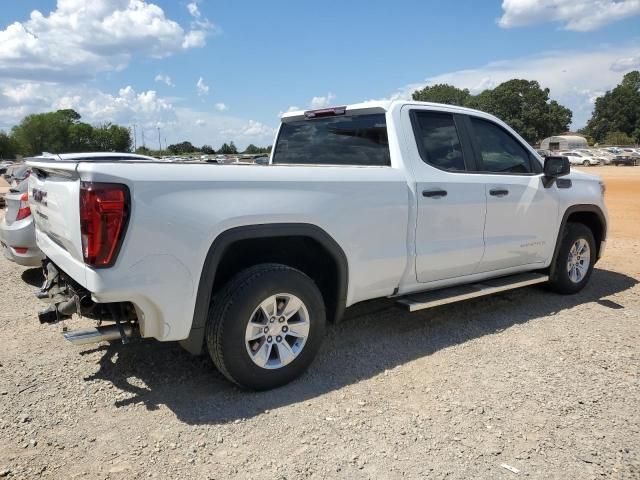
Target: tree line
{"type": "Point", "coordinates": [62, 132]}
{"type": "Point", "coordinates": [183, 148]}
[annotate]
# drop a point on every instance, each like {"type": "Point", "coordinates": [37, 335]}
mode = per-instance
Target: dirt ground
{"type": "Point", "coordinates": [526, 384]}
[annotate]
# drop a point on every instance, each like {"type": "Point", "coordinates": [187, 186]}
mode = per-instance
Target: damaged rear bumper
{"type": "Point", "coordinates": [65, 297]}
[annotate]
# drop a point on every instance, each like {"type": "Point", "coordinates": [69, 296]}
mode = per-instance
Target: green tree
{"type": "Point", "coordinates": [43, 132]}
{"type": "Point", "coordinates": [80, 137]}
{"type": "Point", "coordinates": [618, 110]}
{"type": "Point", "coordinates": [62, 131]}
{"type": "Point", "coordinates": [618, 138]}
{"type": "Point", "coordinates": [111, 138]}
{"type": "Point", "coordinates": [8, 146]}
{"type": "Point", "coordinates": [142, 150]}
{"type": "Point", "coordinates": [207, 150]}
{"type": "Point", "coordinates": [522, 104]}
{"type": "Point", "coordinates": [525, 107]}
{"type": "Point", "coordinates": [228, 149]}
{"type": "Point", "coordinates": [442, 93]}
{"type": "Point", "coordinates": [181, 148]}
{"type": "Point", "coordinates": [252, 149]}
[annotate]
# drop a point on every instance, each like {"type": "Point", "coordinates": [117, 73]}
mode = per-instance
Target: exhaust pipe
{"type": "Point", "coordinates": [98, 334]}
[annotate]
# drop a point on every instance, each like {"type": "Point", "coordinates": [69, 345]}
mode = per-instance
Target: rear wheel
{"type": "Point", "coordinates": [266, 326]}
{"type": "Point", "coordinates": [586, 163]}
{"type": "Point", "coordinates": [574, 262]}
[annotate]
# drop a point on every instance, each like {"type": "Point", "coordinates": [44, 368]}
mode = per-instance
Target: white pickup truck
{"type": "Point", "coordinates": [425, 203]}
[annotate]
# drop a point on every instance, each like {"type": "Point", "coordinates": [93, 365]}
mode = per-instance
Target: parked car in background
{"type": "Point", "coordinates": [634, 152]}
{"type": "Point", "coordinates": [592, 153]}
{"type": "Point", "coordinates": [4, 166]}
{"type": "Point", "coordinates": [626, 159]}
{"type": "Point", "coordinates": [17, 229]}
{"type": "Point", "coordinates": [606, 156]}
{"type": "Point", "coordinates": [577, 157]}
{"type": "Point", "coordinates": [15, 170]}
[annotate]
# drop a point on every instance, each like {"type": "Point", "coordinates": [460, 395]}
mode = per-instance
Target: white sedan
{"type": "Point", "coordinates": [577, 157]}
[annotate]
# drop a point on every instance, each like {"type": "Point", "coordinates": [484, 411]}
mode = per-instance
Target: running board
{"type": "Point", "coordinates": [434, 298]}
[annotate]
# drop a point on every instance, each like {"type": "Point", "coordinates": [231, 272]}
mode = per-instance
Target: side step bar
{"type": "Point", "coordinates": [434, 298]}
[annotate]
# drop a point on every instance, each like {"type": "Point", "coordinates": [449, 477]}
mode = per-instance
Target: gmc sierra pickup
{"type": "Point", "coordinates": [425, 203]}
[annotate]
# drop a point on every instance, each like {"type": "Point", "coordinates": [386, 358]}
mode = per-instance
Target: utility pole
{"type": "Point", "coordinates": [134, 137]}
{"type": "Point", "coordinates": [159, 142]}
{"type": "Point", "coordinates": [143, 144]}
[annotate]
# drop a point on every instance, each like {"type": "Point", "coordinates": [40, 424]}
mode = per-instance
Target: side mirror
{"type": "Point", "coordinates": [555, 167]}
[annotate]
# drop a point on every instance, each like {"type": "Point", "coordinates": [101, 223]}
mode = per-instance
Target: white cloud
{"type": "Point", "coordinates": [625, 64]}
{"type": "Point", "coordinates": [166, 79]}
{"type": "Point", "coordinates": [126, 107]}
{"type": "Point", "coordinates": [251, 129]}
{"type": "Point", "coordinates": [201, 28]}
{"type": "Point", "coordinates": [320, 102]}
{"type": "Point", "coordinates": [581, 16]}
{"type": "Point", "coordinates": [203, 88]}
{"type": "Point", "coordinates": [79, 39]}
{"type": "Point", "coordinates": [221, 107]}
{"type": "Point", "coordinates": [292, 108]}
{"type": "Point", "coordinates": [195, 39]}
{"type": "Point", "coordinates": [194, 11]}
{"type": "Point", "coordinates": [574, 78]}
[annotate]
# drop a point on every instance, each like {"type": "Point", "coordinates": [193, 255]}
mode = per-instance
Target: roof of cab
{"type": "Point", "coordinates": [386, 105]}
{"type": "Point", "coordinates": [374, 104]}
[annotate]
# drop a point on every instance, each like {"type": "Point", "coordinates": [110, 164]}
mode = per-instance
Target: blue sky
{"type": "Point", "coordinates": [136, 62]}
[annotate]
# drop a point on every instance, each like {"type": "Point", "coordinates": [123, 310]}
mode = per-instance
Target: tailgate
{"type": "Point", "coordinates": [54, 197]}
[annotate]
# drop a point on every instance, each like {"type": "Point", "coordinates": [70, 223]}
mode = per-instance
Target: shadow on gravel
{"type": "Point", "coordinates": [375, 336]}
{"type": "Point", "coordinates": [33, 276]}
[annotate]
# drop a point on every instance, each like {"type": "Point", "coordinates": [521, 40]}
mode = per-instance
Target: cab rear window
{"type": "Point", "coordinates": [341, 140]}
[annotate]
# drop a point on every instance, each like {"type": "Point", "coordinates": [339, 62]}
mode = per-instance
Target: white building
{"type": "Point", "coordinates": [564, 142]}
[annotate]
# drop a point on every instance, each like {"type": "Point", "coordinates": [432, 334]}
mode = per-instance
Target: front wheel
{"type": "Point", "coordinates": [266, 326]}
{"type": "Point", "coordinates": [585, 163]}
{"type": "Point", "coordinates": [574, 263]}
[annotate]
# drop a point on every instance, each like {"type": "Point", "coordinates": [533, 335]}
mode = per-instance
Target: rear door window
{"type": "Point", "coordinates": [341, 140]}
{"type": "Point", "coordinates": [438, 139]}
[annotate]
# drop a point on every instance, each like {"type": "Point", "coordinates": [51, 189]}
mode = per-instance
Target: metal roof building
{"type": "Point", "coordinates": [563, 142]}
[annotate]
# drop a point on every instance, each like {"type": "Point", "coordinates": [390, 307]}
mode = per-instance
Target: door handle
{"type": "Point", "coordinates": [434, 193]}
{"type": "Point", "coordinates": [499, 192]}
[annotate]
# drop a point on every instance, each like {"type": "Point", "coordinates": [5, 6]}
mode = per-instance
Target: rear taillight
{"type": "Point", "coordinates": [104, 212]}
{"type": "Point", "coordinates": [24, 211]}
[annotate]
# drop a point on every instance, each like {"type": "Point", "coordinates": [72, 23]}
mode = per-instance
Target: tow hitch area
{"type": "Point", "coordinates": [66, 297]}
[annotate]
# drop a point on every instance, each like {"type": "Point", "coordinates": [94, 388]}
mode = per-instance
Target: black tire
{"type": "Point", "coordinates": [560, 281]}
{"type": "Point", "coordinates": [231, 310]}
{"type": "Point", "coordinates": [585, 163]}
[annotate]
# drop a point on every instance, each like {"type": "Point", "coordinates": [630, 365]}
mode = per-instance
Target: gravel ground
{"type": "Point", "coordinates": [524, 384]}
